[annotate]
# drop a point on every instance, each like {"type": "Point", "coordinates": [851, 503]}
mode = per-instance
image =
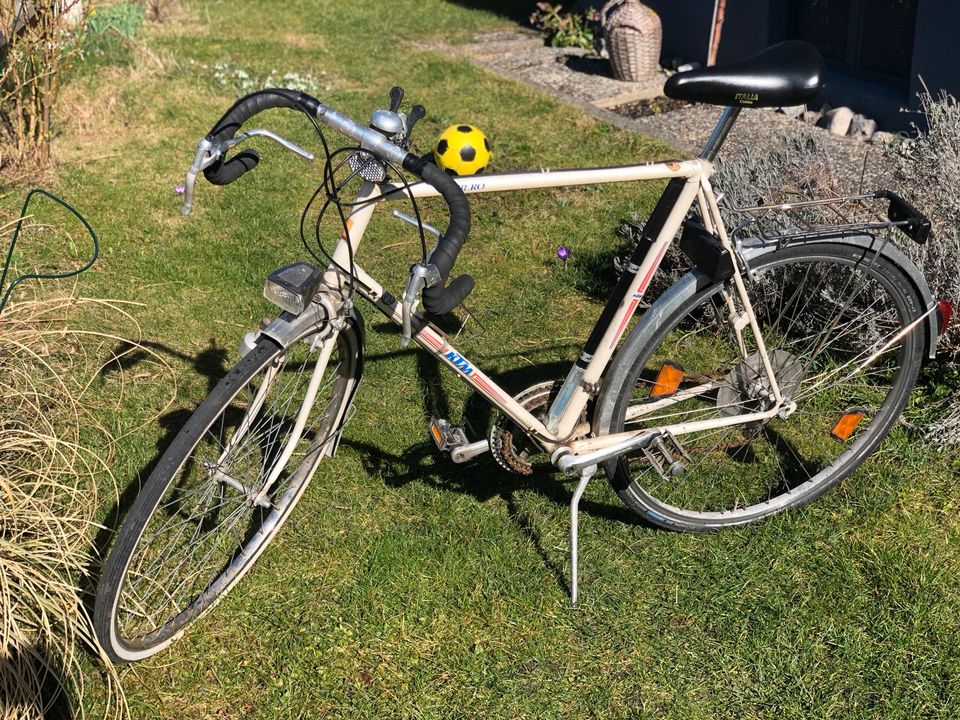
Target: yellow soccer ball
{"type": "Point", "coordinates": [462, 150]}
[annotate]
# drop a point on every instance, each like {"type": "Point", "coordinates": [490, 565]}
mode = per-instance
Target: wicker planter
{"type": "Point", "coordinates": [633, 35]}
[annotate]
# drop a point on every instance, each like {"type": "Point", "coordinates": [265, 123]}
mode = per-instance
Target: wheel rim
{"type": "Point", "coordinates": [822, 319]}
{"type": "Point", "coordinates": [205, 530]}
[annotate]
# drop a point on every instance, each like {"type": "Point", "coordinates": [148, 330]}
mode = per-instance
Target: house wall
{"type": "Point", "coordinates": [751, 25]}
{"type": "Point", "coordinates": [936, 51]}
{"type": "Point", "coordinates": [936, 59]}
{"type": "Point", "coordinates": [686, 29]}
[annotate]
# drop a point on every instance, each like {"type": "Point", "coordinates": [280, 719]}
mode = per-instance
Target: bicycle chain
{"type": "Point", "coordinates": [505, 436]}
{"type": "Point", "coordinates": [501, 445]}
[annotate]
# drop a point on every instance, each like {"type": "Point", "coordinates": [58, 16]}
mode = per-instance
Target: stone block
{"type": "Point", "coordinates": [881, 137]}
{"type": "Point", "coordinates": [862, 127]}
{"type": "Point", "coordinates": [837, 120]}
{"type": "Point", "coordinates": [793, 111]}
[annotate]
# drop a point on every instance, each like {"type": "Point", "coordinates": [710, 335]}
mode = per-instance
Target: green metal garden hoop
{"type": "Point", "coordinates": [43, 276]}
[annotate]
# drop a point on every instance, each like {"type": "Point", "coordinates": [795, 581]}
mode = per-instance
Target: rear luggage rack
{"type": "Point", "coordinates": [831, 218]}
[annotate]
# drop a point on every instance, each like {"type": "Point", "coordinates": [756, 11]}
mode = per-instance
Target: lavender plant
{"type": "Point", "coordinates": [925, 169]}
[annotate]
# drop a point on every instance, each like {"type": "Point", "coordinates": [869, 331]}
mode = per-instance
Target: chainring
{"type": "Point", "coordinates": [511, 447]}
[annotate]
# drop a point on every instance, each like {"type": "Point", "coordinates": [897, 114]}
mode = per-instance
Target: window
{"type": "Point", "coordinates": [871, 39]}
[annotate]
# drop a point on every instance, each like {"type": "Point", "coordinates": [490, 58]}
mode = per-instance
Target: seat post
{"type": "Point", "coordinates": [719, 133]}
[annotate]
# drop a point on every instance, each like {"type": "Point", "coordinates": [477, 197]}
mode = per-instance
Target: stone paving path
{"type": "Point", "coordinates": [574, 76]}
{"type": "Point", "coordinates": [575, 73]}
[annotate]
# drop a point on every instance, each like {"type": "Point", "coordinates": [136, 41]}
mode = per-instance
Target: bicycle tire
{"type": "Point", "coordinates": [824, 310]}
{"type": "Point", "coordinates": [137, 612]}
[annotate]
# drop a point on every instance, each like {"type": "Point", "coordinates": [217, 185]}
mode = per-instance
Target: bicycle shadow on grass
{"type": "Point", "coordinates": [482, 478]}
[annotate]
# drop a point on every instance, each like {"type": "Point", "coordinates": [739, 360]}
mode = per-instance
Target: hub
{"type": "Point", "coordinates": [746, 388]}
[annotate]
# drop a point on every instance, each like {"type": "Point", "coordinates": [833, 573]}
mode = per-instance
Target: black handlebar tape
{"type": "Point", "coordinates": [443, 298]}
{"type": "Point", "coordinates": [451, 296]}
{"type": "Point", "coordinates": [226, 171]}
{"type": "Point", "coordinates": [233, 168]}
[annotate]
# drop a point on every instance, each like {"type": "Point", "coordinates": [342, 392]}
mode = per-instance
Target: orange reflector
{"type": "Point", "coordinates": [847, 424]}
{"type": "Point", "coordinates": [668, 379]}
{"type": "Point", "coordinates": [437, 435]}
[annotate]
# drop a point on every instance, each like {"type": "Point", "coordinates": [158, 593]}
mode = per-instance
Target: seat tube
{"type": "Point", "coordinates": [719, 134]}
{"type": "Point", "coordinates": [583, 377]}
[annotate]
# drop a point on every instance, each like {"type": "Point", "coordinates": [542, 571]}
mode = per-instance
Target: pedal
{"type": "Point", "coordinates": [446, 436]}
{"type": "Point", "coordinates": [666, 455]}
{"type": "Point", "coordinates": [454, 440]}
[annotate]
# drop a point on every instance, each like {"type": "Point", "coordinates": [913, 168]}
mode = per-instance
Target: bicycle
{"type": "Point", "coordinates": [761, 378]}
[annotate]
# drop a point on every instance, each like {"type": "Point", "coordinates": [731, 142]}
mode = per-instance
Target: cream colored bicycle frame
{"type": "Point", "coordinates": [569, 432]}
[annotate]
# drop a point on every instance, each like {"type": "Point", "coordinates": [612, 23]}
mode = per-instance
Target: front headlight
{"type": "Point", "coordinates": [293, 286]}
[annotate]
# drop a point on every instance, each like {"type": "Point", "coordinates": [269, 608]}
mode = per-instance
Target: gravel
{"type": "Point", "coordinates": [762, 128]}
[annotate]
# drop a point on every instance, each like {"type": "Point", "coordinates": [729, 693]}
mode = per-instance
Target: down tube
{"type": "Point", "coordinates": [432, 340]}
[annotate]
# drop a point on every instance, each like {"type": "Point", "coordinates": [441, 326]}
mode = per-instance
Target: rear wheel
{"type": "Point", "coordinates": [832, 317]}
{"type": "Point", "coordinates": [198, 524]}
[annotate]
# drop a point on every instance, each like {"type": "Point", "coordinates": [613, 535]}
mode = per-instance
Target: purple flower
{"type": "Point", "coordinates": [179, 190]}
{"type": "Point", "coordinates": [563, 253]}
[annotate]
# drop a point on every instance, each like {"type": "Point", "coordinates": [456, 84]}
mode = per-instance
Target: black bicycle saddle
{"type": "Point", "coordinates": [788, 73]}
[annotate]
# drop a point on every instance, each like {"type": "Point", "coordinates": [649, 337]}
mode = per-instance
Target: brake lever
{"type": "Point", "coordinates": [205, 156]}
{"type": "Point", "coordinates": [208, 152]}
{"type": "Point", "coordinates": [261, 132]}
{"type": "Point", "coordinates": [421, 276]}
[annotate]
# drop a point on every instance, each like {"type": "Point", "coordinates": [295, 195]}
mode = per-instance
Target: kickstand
{"type": "Point", "coordinates": [585, 475]}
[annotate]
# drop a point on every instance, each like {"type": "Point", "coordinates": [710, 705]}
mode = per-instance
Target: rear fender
{"type": "Point", "coordinates": [694, 281]}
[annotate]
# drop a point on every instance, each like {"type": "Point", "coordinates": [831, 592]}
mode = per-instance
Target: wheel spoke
{"type": "Point", "coordinates": [836, 331]}
{"type": "Point", "coordinates": [202, 524]}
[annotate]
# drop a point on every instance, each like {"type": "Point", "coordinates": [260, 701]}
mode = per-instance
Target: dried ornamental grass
{"type": "Point", "coordinates": [48, 502]}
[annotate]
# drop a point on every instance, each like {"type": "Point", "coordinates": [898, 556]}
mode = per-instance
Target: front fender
{"type": "Point", "coordinates": [287, 327]}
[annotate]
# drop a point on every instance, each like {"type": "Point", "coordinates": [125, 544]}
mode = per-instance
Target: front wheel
{"type": "Point", "coordinates": [833, 317]}
{"type": "Point", "coordinates": [203, 517]}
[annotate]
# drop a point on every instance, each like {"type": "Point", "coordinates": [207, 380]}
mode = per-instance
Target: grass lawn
{"type": "Point", "coordinates": [405, 585]}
